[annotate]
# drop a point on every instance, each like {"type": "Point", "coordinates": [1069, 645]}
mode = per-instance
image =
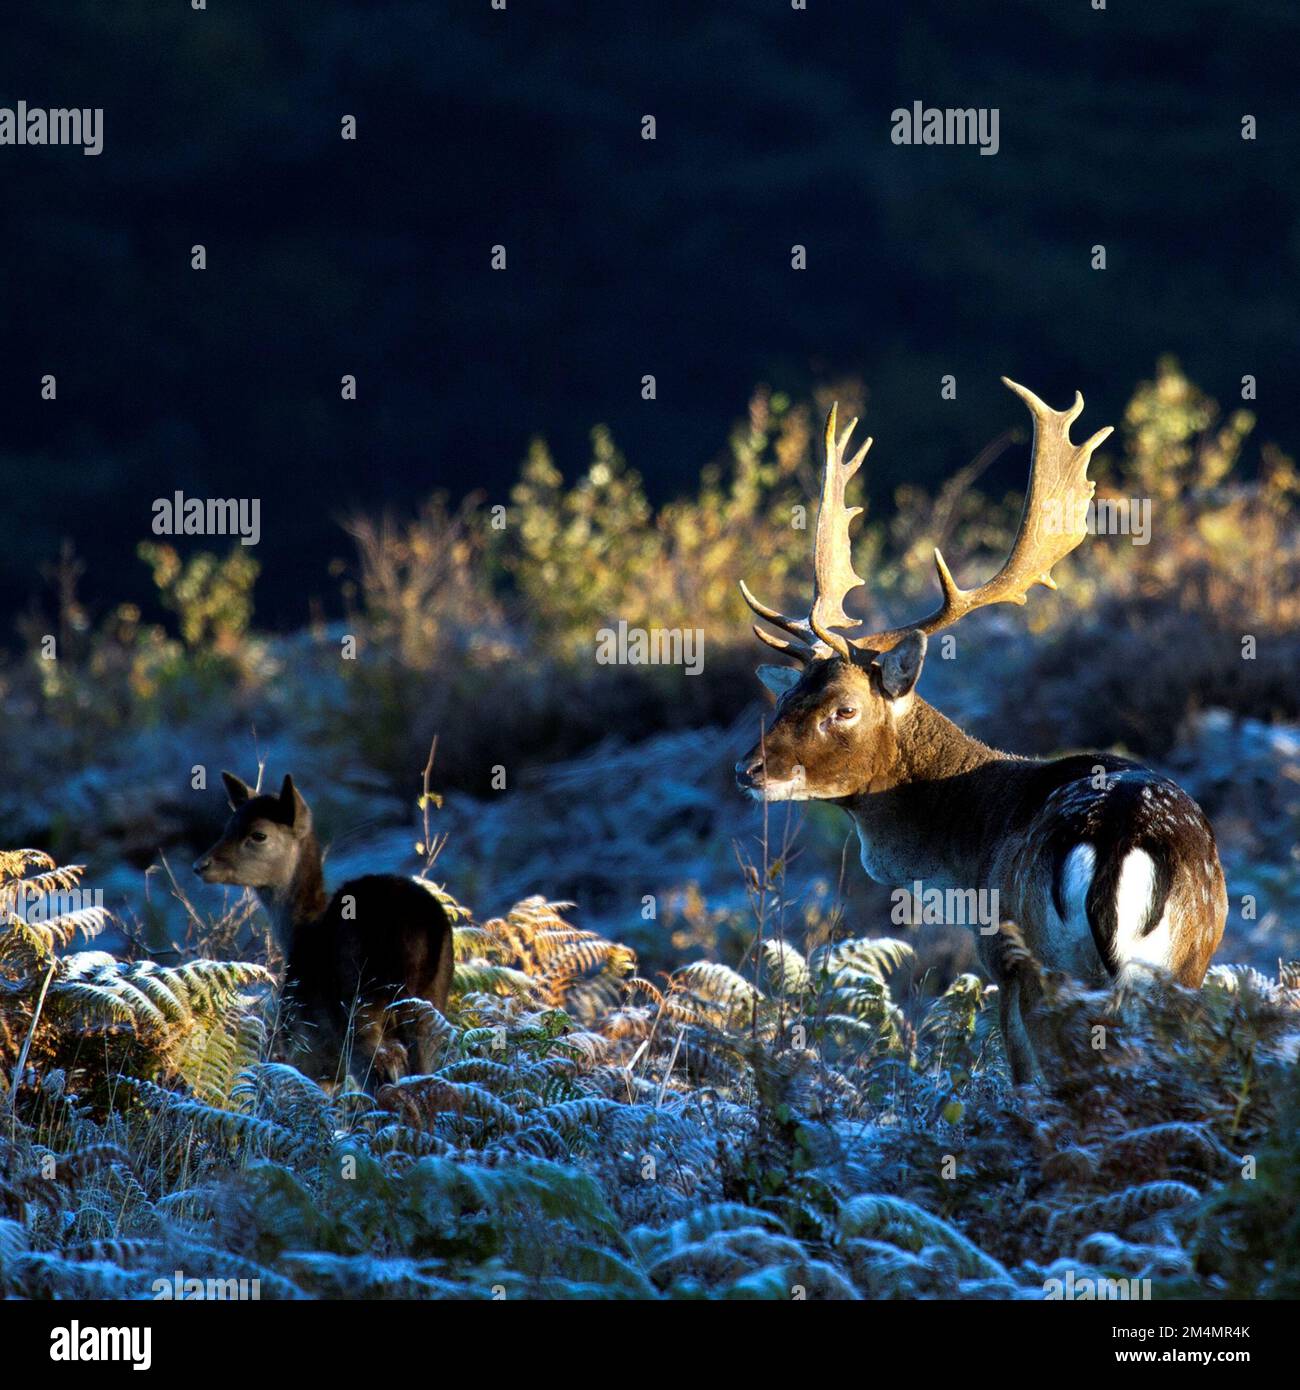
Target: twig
{"type": "Point", "coordinates": [31, 1033]}
{"type": "Point", "coordinates": [672, 1062]}
{"type": "Point", "coordinates": [431, 846]}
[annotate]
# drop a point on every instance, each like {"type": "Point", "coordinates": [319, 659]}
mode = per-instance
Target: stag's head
{"type": "Point", "coordinates": [835, 731]}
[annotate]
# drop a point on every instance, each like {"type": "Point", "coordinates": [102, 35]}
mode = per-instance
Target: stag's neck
{"type": "Point", "coordinates": [303, 900]}
{"type": "Point", "coordinates": [941, 806]}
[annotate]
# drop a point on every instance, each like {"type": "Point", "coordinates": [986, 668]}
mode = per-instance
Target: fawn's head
{"type": "Point", "coordinates": [263, 839]}
{"type": "Point", "coordinates": [836, 729]}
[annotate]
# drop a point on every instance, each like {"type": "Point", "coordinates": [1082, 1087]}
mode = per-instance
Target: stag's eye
{"type": "Point", "coordinates": [846, 712]}
{"type": "Point", "coordinates": [258, 836]}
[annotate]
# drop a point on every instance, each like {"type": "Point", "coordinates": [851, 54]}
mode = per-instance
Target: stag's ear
{"type": "Point", "coordinates": [292, 807]}
{"type": "Point", "coordinates": [237, 790]}
{"type": "Point", "coordinates": [900, 667]}
{"type": "Point", "coordinates": [779, 679]}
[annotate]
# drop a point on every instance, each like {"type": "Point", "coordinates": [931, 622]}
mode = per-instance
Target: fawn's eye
{"type": "Point", "coordinates": [258, 836]}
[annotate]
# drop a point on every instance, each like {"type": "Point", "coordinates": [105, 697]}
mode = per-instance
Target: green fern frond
{"type": "Point", "coordinates": [456, 912]}
{"type": "Point", "coordinates": [871, 956]}
{"type": "Point", "coordinates": [478, 976]}
{"type": "Point", "coordinates": [228, 1128]}
{"type": "Point", "coordinates": [712, 983]}
{"type": "Point", "coordinates": [799, 1279]}
{"type": "Point", "coordinates": [785, 969]}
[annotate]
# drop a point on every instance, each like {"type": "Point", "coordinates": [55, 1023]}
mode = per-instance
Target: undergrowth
{"type": "Point", "coordinates": [793, 1131]}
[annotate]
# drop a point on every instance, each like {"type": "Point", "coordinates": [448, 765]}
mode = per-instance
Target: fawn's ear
{"type": "Point", "coordinates": [237, 790]}
{"type": "Point", "coordinates": [292, 806]}
{"type": "Point", "coordinates": [900, 667]}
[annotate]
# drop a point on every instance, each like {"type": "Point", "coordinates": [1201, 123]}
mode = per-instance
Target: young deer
{"type": "Point", "coordinates": [379, 938]}
{"type": "Point", "coordinates": [1107, 869]}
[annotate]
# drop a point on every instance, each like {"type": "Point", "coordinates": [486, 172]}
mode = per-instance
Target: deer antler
{"type": "Point", "coordinates": [833, 573]}
{"type": "Point", "coordinates": [1052, 524]}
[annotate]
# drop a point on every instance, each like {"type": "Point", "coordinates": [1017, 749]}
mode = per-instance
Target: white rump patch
{"type": "Point", "coordinates": [1076, 879]}
{"type": "Point", "coordinates": [1068, 942]}
{"type": "Point", "coordinates": [1137, 884]}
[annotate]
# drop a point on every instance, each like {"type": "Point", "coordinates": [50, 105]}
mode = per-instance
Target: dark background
{"type": "Point", "coordinates": [626, 257]}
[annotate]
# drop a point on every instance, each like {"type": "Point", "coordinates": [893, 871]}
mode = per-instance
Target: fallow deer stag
{"type": "Point", "coordinates": [378, 939]}
{"type": "Point", "coordinates": [1107, 869]}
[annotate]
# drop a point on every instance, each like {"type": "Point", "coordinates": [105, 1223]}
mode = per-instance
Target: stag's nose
{"type": "Point", "coordinates": [749, 772]}
{"type": "Point", "coordinates": [202, 864]}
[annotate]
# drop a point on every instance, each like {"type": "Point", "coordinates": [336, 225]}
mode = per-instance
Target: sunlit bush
{"type": "Point", "coordinates": [473, 617]}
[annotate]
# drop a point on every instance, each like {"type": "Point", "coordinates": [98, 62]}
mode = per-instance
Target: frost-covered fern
{"type": "Point", "coordinates": [86, 1014]}
{"type": "Point", "coordinates": [780, 1127]}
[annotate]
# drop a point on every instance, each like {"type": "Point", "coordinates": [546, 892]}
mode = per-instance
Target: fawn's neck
{"type": "Point", "coordinates": [942, 804]}
{"type": "Point", "coordinates": [302, 900]}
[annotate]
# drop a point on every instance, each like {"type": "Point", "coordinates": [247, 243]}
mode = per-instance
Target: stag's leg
{"type": "Point", "coordinates": [1015, 972]}
{"type": "Point", "coordinates": [1015, 1035]}
{"type": "Point", "coordinates": [421, 1029]}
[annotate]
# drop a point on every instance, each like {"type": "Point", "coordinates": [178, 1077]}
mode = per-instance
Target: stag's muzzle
{"type": "Point", "coordinates": [750, 774]}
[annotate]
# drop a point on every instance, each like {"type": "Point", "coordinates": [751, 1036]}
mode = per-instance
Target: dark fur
{"type": "Point", "coordinates": [379, 938]}
{"type": "Point", "coordinates": [342, 973]}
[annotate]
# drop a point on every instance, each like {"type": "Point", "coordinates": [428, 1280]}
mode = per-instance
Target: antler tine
{"type": "Point", "coordinates": [797, 627]}
{"type": "Point", "coordinates": [763, 611]}
{"type": "Point", "coordinates": [804, 642]}
{"type": "Point", "coordinates": [1039, 409]}
{"type": "Point", "coordinates": [798, 650]}
{"type": "Point", "coordinates": [833, 574]}
{"type": "Point", "coordinates": [1053, 523]}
